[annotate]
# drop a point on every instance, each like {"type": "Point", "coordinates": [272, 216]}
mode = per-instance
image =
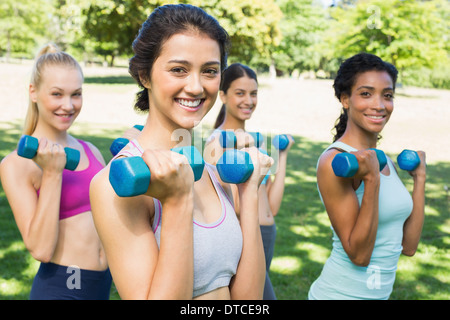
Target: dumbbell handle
{"type": "Point", "coordinates": [28, 146]}
{"type": "Point", "coordinates": [228, 140]}
{"type": "Point", "coordinates": [346, 164]}
{"type": "Point", "coordinates": [130, 176]}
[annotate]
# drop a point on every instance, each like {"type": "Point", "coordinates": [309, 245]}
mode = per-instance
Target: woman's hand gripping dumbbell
{"type": "Point", "coordinates": [131, 176]}
{"type": "Point", "coordinates": [346, 164]}
{"type": "Point", "coordinates": [28, 148]}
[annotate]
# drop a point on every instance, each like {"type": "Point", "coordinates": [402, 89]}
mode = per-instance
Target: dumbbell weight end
{"type": "Point", "coordinates": [280, 142]}
{"type": "Point", "coordinates": [119, 143]}
{"type": "Point", "coordinates": [129, 176]}
{"type": "Point", "coordinates": [235, 166]}
{"type": "Point", "coordinates": [345, 165]}
{"type": "Point", "coordinates": [408, 160]}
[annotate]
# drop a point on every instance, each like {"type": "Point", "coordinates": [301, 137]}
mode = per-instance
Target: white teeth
{"type": "Point", "coordinates": [376, 117]}
{"type": "Point", "coordinates": [190, 103]}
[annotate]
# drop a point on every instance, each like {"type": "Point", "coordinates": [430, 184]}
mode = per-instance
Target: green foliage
{"type": "Point", "coordinates": [288, 34]}
{"type": "Point", "coordinates": [22, 24]}
{"type": "Point", "coordinates": [251, 24]}
{"type": "Point", "coordinates": [113, 24]}
{"type": "Point", "coordinates": [407, 33]}
{"type": "Point", "coordinates": [302, 28]}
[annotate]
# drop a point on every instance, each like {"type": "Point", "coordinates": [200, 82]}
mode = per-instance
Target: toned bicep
{"type": "Point", "coordinates": [127, 238]}
{"type": "Point", "coordinates": [339, 199]}
{"type": "Point", "coordinates": [19, 190]}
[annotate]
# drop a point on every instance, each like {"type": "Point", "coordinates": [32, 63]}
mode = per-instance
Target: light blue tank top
{"type": "Point", "coordinates": [217, 246]}
{"type": "Point", "coordinates": [340, 278]}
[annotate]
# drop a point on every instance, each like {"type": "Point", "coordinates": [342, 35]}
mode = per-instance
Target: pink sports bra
{"type": "Point", "coordinates": [75, 187]}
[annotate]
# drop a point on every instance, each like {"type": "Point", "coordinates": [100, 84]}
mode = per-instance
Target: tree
{"type": "Point", "coordinates": [23, 23]}
{"type": "Point", "coordinates": [251, 24]}
{"type": "Point", "coordinates": [407, 33]}
{"type": "Point", "coordinates": [302, 26]}
{"type": "Point", "coordinates": [113, 24]}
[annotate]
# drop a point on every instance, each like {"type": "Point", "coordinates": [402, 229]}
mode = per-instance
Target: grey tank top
{"type": "Point", "coordinates": [217, 246]}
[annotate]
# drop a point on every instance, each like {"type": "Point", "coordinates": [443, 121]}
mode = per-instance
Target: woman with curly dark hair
{"type": "Point", "coordinates": [373, 217]}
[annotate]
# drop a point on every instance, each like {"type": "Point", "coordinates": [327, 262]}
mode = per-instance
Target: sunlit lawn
{"type": "Point", "coordinates": [303, 230]}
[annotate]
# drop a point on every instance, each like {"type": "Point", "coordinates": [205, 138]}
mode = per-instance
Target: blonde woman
{"type": "Point", "coordinates": [51, 204]}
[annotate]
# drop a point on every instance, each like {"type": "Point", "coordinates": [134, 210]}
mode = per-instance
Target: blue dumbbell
{"type": "Point", "coordinates": [227, 139]}
{"type": "Point", "coordinates": [258, 137]}
{"type": "Point", "coordinates": [408, 160]}
{"type": "Point", "coordinates": [130, 176]}
{"type": "Point", "coordinates": [235, 166]}
{"type": "Point", "coordinates": [346, 164]}
{"type": "Point", "coordinates": [280, 142]}
{"type": "Point", "coordinates": [264, 181]}
{"type": "Point", "coordinates": [119, 143]}
{"type": "Point", "coordinates": [28, 146]}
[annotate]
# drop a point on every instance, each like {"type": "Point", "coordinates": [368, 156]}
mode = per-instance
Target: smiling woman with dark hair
{"type": "Point", "coordinates": [373, 217]}
{"type": "Point", "coordinates": [181, 239]}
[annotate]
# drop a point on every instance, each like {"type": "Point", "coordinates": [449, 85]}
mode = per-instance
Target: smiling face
{"type": "Point", "coordinates": [371, 102]}
{"type": "Point", "coordinates": [241, 98]}
{"type": "Point", "coordinates": [59, 96]}
{"type": "Point", "coordinates": [185, 80]}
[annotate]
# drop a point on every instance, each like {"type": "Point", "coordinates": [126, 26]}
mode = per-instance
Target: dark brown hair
{"type": "Point", "coordinates": [164, 22]}
{"type": "Point", "coordinates": [233, 72]}
{"type": "Point", "coordinates": [346, 78]}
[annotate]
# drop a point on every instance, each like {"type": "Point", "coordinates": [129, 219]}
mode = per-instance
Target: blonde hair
{"type": "Point", "coordinates": [50, 54]}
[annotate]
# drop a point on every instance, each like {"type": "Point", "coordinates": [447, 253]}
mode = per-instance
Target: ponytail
{"type": "Point", "coordinates": [341, 124]}
{"type": "Point", "coordinates": [220, 117]}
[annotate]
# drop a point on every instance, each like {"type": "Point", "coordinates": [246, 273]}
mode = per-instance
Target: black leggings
{"type": "Point", "coordinates": [56, 282]}
{"type": "Point", "coordinates": [268, 234]}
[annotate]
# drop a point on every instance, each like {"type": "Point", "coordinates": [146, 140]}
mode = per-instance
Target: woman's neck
{"type": "Point", "coordinates": [157, 136]}
{"type": "Point", "coordinates": [232, 123]}
{"type": "Point", "coordinates": [359, 140]}
{"type": "Point", "coordinates": [51, 133]}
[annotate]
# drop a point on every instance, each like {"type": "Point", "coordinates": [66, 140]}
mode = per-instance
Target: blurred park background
{"type": "Point", "coordinates": [296, 46]}
{"type": "Point", "coordinates": [298, 38]}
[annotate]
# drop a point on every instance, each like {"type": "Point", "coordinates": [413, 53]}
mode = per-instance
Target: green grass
{"type": "Point", "coordinates": [303, 229]}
